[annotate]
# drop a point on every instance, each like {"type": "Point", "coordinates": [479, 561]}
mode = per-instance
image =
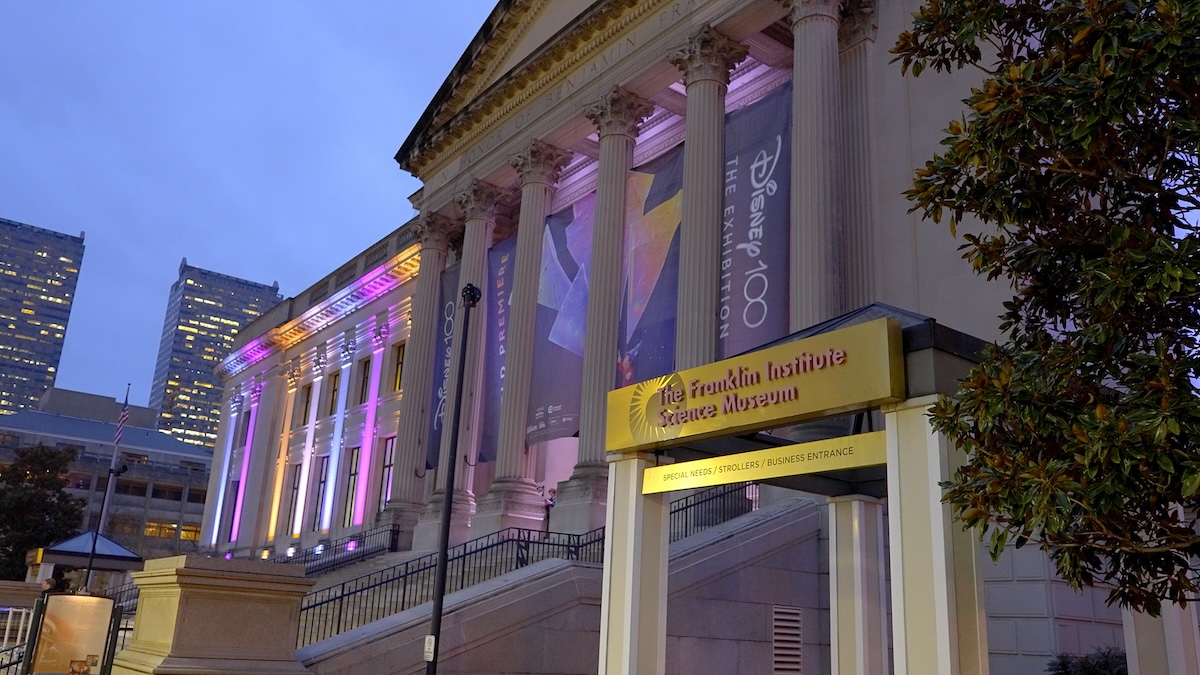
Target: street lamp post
{"type": "Point", "coordinates": [470, 297]}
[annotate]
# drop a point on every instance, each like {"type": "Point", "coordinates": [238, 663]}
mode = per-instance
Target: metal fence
{"type": "Point", "coordinates": [327, 557]}
{"type": "Point", "coordinates": [360, 601]}
{"type": "Point", "coordinates": [14, 630]}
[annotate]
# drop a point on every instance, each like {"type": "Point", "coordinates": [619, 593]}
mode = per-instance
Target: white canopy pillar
{"type": "Point", "coordinates": [938, 621]}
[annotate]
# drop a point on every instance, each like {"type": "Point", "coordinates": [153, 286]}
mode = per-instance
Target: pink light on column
{"type": "Point", "coordinates": [241, 494]}
{"type": "Point", "coordinates": [368, 441]}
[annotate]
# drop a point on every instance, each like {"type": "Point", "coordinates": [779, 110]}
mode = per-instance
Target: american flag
{"type": "Point", "coordinates": [124, 416]}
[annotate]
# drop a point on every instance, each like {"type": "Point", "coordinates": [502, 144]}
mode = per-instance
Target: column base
{"type": "Point", "coordinates": [404, 515]}
{"type": "Point", "coordinates": [429, 525]}
{"type": "Point", "coordinates": [510, 503]}
{"type": "Point", "coordinates": [580, 506]}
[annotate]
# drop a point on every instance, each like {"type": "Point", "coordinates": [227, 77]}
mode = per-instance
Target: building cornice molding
{"type": "Point", "coordinates": [377, 282]}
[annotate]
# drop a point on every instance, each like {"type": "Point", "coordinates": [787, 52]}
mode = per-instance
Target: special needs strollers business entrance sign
{"type": "Point", "coordinates": [847, 370]}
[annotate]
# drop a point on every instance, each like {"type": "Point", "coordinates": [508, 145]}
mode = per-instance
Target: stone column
{"type": "Point", "coordinates": [258, 461]}
{"type": "Point", "coordinates": [218, 476]}
{"type": "Point", "coordinates": [363, 504]}
{"type": "Point", "coordinates": [815, 287]}
{"type": "Point", "coordinates": [1163, 645]}
{"type": "Point", "coordinates": [277, 532]}
{"type": "Point", "coordinates": [513, 500]}
{"type": "Point", "coordinates": [215, 616]}
{"type": "Point", "coordinates": [416, 381]}
{"type": "Point", "coordinates": [705, 61]}
{"type": "Point", "coordinates": [334, 485]}
{"type": "Point", "coordinates": [479, 204]}
{"type": "Point", "coordinates": [857, 608]}
{"type": "Point", "coordinates": [938, 614]}
{"type": "Point", "coordinates": [857, 36]}
{"type": "Point", "coordinates": [581, 499]}
{"type": "Point", "coordinates": [310, 431]}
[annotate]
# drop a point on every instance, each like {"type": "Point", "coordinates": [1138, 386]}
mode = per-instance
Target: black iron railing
{"type": "Point", "coordinates": [698, 512]}
{"type": "Point", "coordinates": [348, 550]}
{"type": "Point", "coordinates": [360, 601]}
{"type": "Point", "coordinates": [125, 596]}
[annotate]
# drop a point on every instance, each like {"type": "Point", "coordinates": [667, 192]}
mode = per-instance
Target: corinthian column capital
{"type": "Point", "coordinates": [540, 163]}
{"type": "Point", "coordinates": [801, 10]}
{"type": "Point", "coordinates": [707, 55]}
{"type": "Point", "coordinates": [618, 112]}
{"type": "Point", "coordinates": [434, 231]}
{"type": "Point", "coordinates": [480, 201]}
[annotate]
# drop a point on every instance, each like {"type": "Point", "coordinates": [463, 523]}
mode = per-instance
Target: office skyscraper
{"type": "Point", "coordinates": [38, 272]}
{"type": "Point", "coordinates": [204, 313]}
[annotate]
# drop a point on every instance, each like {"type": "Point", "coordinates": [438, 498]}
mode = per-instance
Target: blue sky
{"type": "Point", "coordinates": [253, 138]}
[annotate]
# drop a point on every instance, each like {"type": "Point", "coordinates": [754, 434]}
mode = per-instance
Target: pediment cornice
{"type": "Point", "coordinates": [468, 111]}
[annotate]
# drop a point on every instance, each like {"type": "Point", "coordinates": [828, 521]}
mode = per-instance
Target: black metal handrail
{"type": "Point", "coordinates": [360, 601]}
{"type": "Point", "coordinates": [348, 550]}
{"type": "Point", "coordinates": [125, 597]}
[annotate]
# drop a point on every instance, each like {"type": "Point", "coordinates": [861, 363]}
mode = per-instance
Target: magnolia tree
{"type": "Point", "coordinates": [1078, 153]}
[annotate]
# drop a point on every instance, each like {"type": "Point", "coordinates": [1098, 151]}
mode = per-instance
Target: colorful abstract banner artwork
{"type": "Point", "coordinates": [443, 341]}
{"type": "Point", "coordinates": [561, 314]}
{"type": "Point", "coordinates": [653, 209]}
{"type": "Point", "coordinates": [755, 225]}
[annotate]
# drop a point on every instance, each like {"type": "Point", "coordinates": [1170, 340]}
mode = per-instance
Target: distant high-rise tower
{"type": "Point", "coordinates": [204, 313]}
{"type": "Point", "coordinates": [38, 272]}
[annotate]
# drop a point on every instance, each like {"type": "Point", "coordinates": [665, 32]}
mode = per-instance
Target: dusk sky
{"type": "Point", "coordinates": [253, 138]}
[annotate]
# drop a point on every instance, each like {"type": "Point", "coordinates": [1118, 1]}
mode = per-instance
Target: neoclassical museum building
{"type": "Point", "coordinates": [637, 188]}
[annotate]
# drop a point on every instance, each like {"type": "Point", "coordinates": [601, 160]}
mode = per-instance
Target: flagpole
{"type": "Point", "coordinates": [108, 488]}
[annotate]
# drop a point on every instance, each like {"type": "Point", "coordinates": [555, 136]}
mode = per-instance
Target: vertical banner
{"type": "Point", "coordinates": [557, 379]}
{"type": "Point", "coordinates": [654, 207]}
{"type": "Point", "coordinates": [755, 228]}
{"type": "Point", "coordinates": [447, 306]}
{"type": "Point", "coordinates": [502, 260]}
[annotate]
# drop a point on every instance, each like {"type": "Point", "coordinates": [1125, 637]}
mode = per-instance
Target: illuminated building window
{"type": "Point", "coordinates": [397, 365]}
{"type": "Point", "coordinates": [160, 529]}
{"type": "Point", "coordinates": [334, 380]}
{"type": "Point", "coordinates": [351, 487]}
{"type": "Point", "coordinates": [294, 500]}
{"type": "Point", "coordinates": [385, 479]}
{"type": "Point", "coordinates": [189, 533]}
{"type": "Point", "coordinates": [364, 380]}
{"type": "Point", "coordinates": [305, 396]}
{"type": "Point", "coordinates": [319, 494]}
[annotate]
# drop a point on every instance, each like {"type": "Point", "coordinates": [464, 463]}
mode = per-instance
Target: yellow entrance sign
{"type": "Point", "coordinates": [845, 370]}
{"type": "Point", "coordinates": [847, 452]}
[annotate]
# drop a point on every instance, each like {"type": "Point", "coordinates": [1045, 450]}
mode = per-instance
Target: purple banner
{"type": "Point", "coordinates": [756, 230]}
{"type": "Point", "coordinates": [654, 206]}
{"type": "Point", "coordinates": [502, 260]}
{"type": "Point", "coordinates": [447, 308]}
{"type": "Point", "coordinates": [559, 332]}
